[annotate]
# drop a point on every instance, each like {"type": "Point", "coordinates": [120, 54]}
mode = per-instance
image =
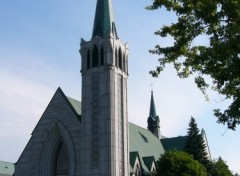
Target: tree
{"type": "Point", "coordinates": [178, 163]}
{"type": "Point", "coordinates": [220, 168]}
{"type": "Point", "coordinates": [218, 22]}
{"type": "Point", "coordinates": [195, 144]}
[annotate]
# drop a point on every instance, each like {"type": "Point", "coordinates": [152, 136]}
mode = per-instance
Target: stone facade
{"type": "Point", "coordinates": [58, 128]}
{"type": "Point", "coordinates": [97, 145]}
{"type": "Point", "coordinates": [104, 107]}
{"type": "Point", "coordinates": [91, 138]}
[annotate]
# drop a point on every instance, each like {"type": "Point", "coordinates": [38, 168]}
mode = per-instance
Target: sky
{"type": "Point", "coordinates": [39, 52]}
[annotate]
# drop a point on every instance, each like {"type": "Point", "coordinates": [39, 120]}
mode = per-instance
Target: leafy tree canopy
{"type": "Point", "coordinates": [220, 168]}
{"type": "Point", "coordinates": [179, 163]}
{"type": "Point", "coordinates": [219, 22]}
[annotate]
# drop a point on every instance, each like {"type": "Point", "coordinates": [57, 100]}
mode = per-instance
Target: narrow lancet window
{"type": "Point", "coordinates": [95, 57]}
{"type": "Point", "coordinates": [116, 58]}
{"type": "Point", "coordinates": [88, 60]}
{"type": "Point", "coordinates": [120, 58]}
{"type": "Point", "coordinates": [102, 57]}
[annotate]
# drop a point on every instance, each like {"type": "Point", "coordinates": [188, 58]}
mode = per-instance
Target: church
{"type": "Point", "coordinates": [93, 137]}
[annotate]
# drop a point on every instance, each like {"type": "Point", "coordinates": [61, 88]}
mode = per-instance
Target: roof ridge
{"type": "Point", "coordinates": [73, 98]}
{"type": "Point", "coordinates": [76, 105]}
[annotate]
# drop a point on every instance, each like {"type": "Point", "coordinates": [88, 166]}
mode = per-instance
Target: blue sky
{"type": "Point", "coordinates": [39, 43]}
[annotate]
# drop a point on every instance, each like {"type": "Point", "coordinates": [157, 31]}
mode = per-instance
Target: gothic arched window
{"type": "Point", "coordinates": [116, 58]}
{"type": "Point", "coordinates": [88, 60]}
{"type": "Point", "coordinates": [61, 163]}
{"type": "Point", "coordinates": [102, 57]}
{"type": "Point", "coordinates": [95, 57]}
{"type": "Point", "coordinates": [120, 58]}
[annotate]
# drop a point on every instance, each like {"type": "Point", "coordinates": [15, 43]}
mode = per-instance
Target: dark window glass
{"type": "Point", "coordinates": [61, 161]}
{"type": "Point", "coordinates": [95, 57]}
{"type": "Point", "coordinates": [88, 60]}
{"type": "Point", "coordinates": [116, 58]}
{"type": "Point", "coordinates": [102, 56]}
{"type": "Point", "coordinates": [120, 58]}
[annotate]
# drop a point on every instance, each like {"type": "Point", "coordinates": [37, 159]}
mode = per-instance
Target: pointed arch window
{"type": "Point", "coordinates": [95, 57]}
{"type": "Point", "coordinates": [61, 163]}
{"type": "Point", "coordinates": [116, 58]}
{"type": "Point", "coordinates": [102, 57]}
{"type": "Point", "coordinates": [120, 58]}
{"type": "Point", "coordinates": [88, 60]}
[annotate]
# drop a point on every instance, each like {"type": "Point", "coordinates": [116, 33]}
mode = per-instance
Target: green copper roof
{"type": "Point", "coordinates": [76, 105]}
{"type": "Point", "coordinates": [145, 143]}
{"type": "Point", "coordinates": [104, 19]}
{"type": "Point", "coordinates": [175, 143]}
{"type": "Point", "coordinates": [142, 143]}
{"type": "Point", "coordinates": [133, 157]}
{"type": "Point", "coordinates": [152, 112]}
{"type": "Point", "coordinates": [6, 168]}
{"type": "Point", "coordinates": [148, 161]}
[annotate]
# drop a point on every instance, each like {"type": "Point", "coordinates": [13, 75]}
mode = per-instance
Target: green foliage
{"type": "Point", "coordinates": [218, 22]}
{"type": "Point", "coordinates": [220, 168]}
{"type": "Point", "coordinates": [179, 163]}
{"type": "Point", "coordinates": [195, 144]}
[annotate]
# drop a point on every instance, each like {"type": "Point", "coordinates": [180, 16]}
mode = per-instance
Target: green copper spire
{"type": "Point", "coordinates": [153, 119]}
{"type": "Point", "coordinates": [104, 19]}
{"type": "Point", "coordinates": [152, 112]}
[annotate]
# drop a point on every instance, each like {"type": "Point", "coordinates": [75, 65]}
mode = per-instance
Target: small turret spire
{"type": "Point", "coordinates": [153, 119]}
{"type": "Point", "coordinates": [152, 112]}
{"type": "Point", "coordinates": [104, 19]}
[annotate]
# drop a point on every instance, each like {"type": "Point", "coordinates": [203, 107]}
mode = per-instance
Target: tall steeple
{"type": "Point", "coordinates": [104, 19]}
{"type": "Point", "coordinates": [153, 119]}
{"type": "Point", "coordinates": [104, 69]}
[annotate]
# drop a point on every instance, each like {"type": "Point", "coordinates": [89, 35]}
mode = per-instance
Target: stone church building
{"type": "Point", "coordinates": [93, 137]}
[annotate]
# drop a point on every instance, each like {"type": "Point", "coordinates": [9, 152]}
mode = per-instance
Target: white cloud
{"type": "Point", "coordinates": [22, 103]}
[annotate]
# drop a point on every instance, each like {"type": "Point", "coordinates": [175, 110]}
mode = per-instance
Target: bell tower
{"type": "Point", "coordinates": [104, 69]}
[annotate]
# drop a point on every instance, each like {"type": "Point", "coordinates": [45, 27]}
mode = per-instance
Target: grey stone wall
{"type": "Point", "coordinates": [57, 124]}
{"type": "Point", "coordinates": [104, 108]}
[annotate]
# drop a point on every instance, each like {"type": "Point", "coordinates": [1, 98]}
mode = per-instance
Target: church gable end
{"type": "Point", "coordinates": [54, 148]}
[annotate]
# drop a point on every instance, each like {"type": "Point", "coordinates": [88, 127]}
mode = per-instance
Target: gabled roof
{"type": "Point", "coordinates": [148, 161]}
{"type": "Point", "coordinates": [6, 168]}
{"type": "Point", "coordinates": [75, 105]}
{"type": "Point", "coordinates": [133, 158]}
{"type": "Point", "coordinates": [145, 143]}
{"type": "Point", "coordinates": [175, 143]}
